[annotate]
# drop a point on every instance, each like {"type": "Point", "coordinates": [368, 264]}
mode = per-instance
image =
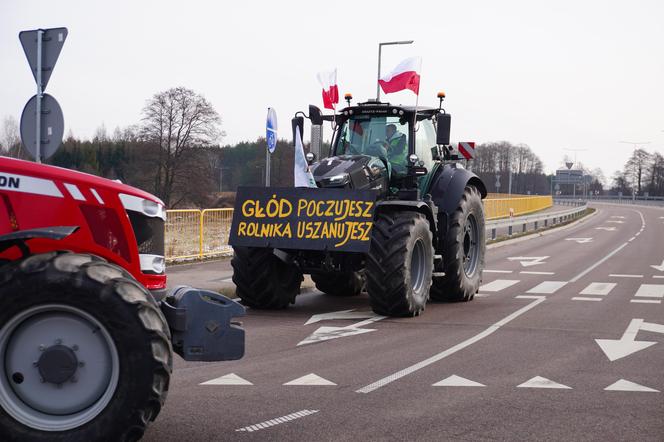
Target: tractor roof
{"type": "Point", "coordinates": [379, 108]}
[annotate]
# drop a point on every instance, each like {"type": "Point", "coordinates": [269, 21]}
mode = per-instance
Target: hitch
{"type": "Point", "coordinates": [202, 325]}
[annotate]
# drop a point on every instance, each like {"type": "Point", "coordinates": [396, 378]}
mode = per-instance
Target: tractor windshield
{"type": "Point", "coordinates": [384, 137]}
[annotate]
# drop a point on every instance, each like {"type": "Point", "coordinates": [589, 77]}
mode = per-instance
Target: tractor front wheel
{"type": "Point", "coordinates": [399, 264]}
{"type": "Point", "coordinates": [86, 353]}
{"type": "Point", "coordinates": [262, 280]}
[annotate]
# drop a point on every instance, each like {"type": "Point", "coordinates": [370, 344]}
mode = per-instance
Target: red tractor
{"type": "Point", "coordinates": [87, 327]}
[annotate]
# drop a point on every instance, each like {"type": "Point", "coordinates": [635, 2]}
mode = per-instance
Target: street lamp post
{"type": "Point", "coordinates": [380, 47]}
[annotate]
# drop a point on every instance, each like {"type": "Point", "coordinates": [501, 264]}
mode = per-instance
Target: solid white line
{"type": "Point", "coordinates": [658, 276]}
{"type": "Point", "coordinates": [526, 272]}
{"type": "Point", "coordinates": [450, 351]}
{"type": "Point", "coordinates": [497, 271]}
{"type": "Point", "coordinates": [646, 301]}
{"type": "Point", "coordinates": [528, 296]}
{"type": "Point", "coordinates": [620, 275]}
{"type": "Point", "coordinates": [583, 298]}
{"type": "Point", "coordinates": [592, 267]}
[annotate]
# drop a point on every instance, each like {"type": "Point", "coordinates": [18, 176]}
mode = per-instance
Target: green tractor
{"type": "Point", "coordinates": [427, 236]}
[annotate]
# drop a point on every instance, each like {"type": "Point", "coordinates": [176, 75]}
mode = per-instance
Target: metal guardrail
{"type": "Point", "coordinates": [534, 221]}
{"type": "Point", "coordinates": [637, 201]}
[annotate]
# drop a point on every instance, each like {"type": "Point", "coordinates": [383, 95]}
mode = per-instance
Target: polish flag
{"type": "Point", "coordinates": [404, 76]}
{"type": "Point", "coordinates": [328, 80]}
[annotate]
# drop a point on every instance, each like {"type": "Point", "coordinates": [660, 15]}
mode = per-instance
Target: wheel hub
{"type": "Point", "coordinates": [57, 364]}
{"type": "Point", "coordinates": [470, 245]}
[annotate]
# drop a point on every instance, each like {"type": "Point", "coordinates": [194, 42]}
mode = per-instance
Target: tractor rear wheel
{"type": "Point", "coordinates": [262, 280]}
{"type": "Point", "coordinates": [399, 264]}
{"type": "Point", "coordinates": [86, 353]}
{"type": "Point", "coordinates": [339, 283]}
{"type": "Point", "coordinates": [463, 252]}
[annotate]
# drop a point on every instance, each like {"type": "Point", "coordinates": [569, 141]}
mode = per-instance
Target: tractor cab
{"type": "Point", "coordinates": [381, 146]}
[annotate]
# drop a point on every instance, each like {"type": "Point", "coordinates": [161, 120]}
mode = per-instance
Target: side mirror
{"type": "Point", "coordinates": [295, 123]}
{"type": "Point", "coordinates": [443, 123]}
{"type": "Point", "coordinates": [315, 115]}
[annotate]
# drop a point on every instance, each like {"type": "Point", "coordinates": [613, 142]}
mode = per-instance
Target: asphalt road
{"type": "Point", "coordinates": [520, 362]}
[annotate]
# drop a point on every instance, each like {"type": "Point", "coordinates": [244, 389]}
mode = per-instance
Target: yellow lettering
{"type": "Point", "coordinates": [248, 211]}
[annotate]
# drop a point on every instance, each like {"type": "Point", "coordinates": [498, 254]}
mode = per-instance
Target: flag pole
{"type": "Point", "coordinates": [417, 98]}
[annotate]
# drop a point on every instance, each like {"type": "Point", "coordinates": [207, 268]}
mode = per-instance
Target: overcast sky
{"type": "Point", "coordinates": [554, 75]}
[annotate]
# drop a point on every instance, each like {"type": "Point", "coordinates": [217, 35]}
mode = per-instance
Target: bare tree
{"type": "Point", "coordinates": [10, 141]}
{"type": "Point", "coordinates": [176, 122]}
{"type": "Point", "coordinates": [635, 167]}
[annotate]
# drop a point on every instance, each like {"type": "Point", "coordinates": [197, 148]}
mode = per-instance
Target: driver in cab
{"type": "Point", "coordinates": [395, 144]}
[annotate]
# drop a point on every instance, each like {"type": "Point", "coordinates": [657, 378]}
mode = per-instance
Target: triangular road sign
{"type": "Point", "coordinates": [52, 42]}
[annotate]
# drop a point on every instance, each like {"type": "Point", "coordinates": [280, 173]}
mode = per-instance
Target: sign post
{"type": "Point", "coordinates": [42, 124]}
{"type": "Point", "coordinates": [271, 138]}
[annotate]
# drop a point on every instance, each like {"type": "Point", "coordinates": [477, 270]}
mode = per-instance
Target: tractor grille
{"type": "Point", "coordinates": [149, 232]}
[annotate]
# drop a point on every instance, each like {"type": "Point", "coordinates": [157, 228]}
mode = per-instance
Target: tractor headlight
{"type": "Point", "coordinates": [413, 159]}
{"type": "Point", "coordinates": [338, 180]}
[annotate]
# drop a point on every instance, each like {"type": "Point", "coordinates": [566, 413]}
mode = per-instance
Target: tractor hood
{"type": "Point", "coordinates": [352, 171]}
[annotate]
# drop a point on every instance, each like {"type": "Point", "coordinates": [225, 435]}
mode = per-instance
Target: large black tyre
{"type": "Point", "coordinates": [262, 280]}
{"type": "Point", "coordinates": [339, 283]}
{"type": "Point", "coordinates": [66, 288]}
{"type": "Point", "coordinates": [463, 251]}
{"type": "Point", "coordinates": [399, 264]}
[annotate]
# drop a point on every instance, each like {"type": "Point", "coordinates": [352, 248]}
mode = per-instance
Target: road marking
{"type": "Point", "coordinates": [457, 381]}
{"type": "Point", "coordinates": [526, 272]}
{"type": "Point", "coordinates": [227, 280]}
{"type": "Point", "coordinates": [624, 385]}
{"type": "Point", "coordinates": [450, 351]}
{"type": "Point", "coordinates": [528, 261]}
{"type": "Point", "coordinates": [650, 291]}
{"type": "Point", "coordinates": [497, 271]}
{"type": "Point", "coordinates": [540, 382]}
{"type": "Point", "coordinates": [615, 349]}
{"type": "Point", "coordinates": [583, 298]}
{"type": "Point", "coordinates": [547, 287]}
{"type": "Point", "coordinates": [631, 239]}
{"type": "Point", "coordinates": [228, 379]}
{"type": "Point", "coordinates": [343, 314]}
{"type": "Point", "coordinates": [328, 333]}
{"type": "Point", "coordinates": [615, 221]}
{"type": "Point", "coordinates": [310, 379]}
{"type": "Point", "coordinates": [498, 285]}
{"type": "Point", "coordinates": [589, 269]}
{"type": "Point", "coordinates": [658, 276]}
{"type": "Point", "coordinates": [608, 229]}
{"type": "Point", "coordinates": [618, 216]}
{"type": "Point", "coordinates": [482, 295]}
{"type": "Point", "coordinates": [528, 297]}
{"type": "Point", "coordinates": [645, 301]}
{"type": "Point", "coordinates": [278, 420]}
{"type": "Point", "coordinates": [621, 275]}
{"type": "Point", "coordinates": [659, 267]}
{"type": "Point", "coordinates": [598, 288]}
{"type": "Point", "coordinates": [580, 240]}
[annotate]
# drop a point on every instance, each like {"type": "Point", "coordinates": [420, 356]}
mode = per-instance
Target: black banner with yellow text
{"type": "Point", "coordinates": [303, 218]}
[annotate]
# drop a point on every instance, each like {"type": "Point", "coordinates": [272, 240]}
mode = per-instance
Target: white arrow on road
{"type": "Point", "coordinates": [327, 333]}
{"type": "Point", "coordinates": [615, 349]}
{"type": "Point", "coordinates": [343, 314]}
{"type": "Point", "coordinates": [580, 240]}
{"type": "Point", "coordinates": [659, 267]}
{"type": "Point", "coordinates": [608, 229]}
{"type": "Point", "coordinates": [528, 261]}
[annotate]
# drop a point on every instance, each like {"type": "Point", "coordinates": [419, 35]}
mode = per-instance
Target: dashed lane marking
{"type": "Point", "coordinates": [650, 291]}
{"type": "Point", "coordinates": [547, 287]}
{"type": "Point", "coordinates": [497, 271]}
{"type": "Point", "coordinates": [624, 385]}
{"type": "Point", "coordinates": [584, 298]}
{"type": "Point", "coordinates": [526, 272]}
{"type": "Point", "coordinates": [658, 276]}
{"type": "Point", "coordinates": [450, 351]}
{"type": "Point", "coordinates": [498, 285]}
{"type": "Point", "coordinates": [457, 381]}
{"type": "Point", "coordinates": [645, 301]}
{"type": "Point", "coordinates": [622, 275]}
{"type": "Point", "coordinates": [598, 288]}
{"type": "Point", "coordinates": [540, 382]}
{"type": "Point", "coordinates": [279, 420]}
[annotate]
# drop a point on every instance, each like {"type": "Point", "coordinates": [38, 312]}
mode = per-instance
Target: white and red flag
{"type": "Point", "coordinates": [405, 76]}
{"type": "Point", "coordinates": [328, 80]}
